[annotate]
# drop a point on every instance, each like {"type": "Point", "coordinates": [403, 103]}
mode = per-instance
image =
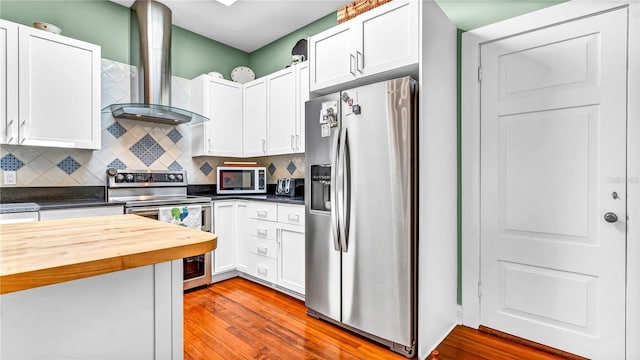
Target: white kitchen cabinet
{"type": "Point", "coordinates": [281, 100]}
{"type": "Point", "coordinates": [221, 101]}
{"type": "Point", "coordinates": [384, 39]}
{"type": "Point", "coordinates": [255, 118]}
{"type": "Point", "coordinates": [291, 265]}
{"type": "Point", "coordinates": [242, 233]}
{"type": "Point", "coordinates": [225, 228]}
{"type": "Point", "coordinates": [57, 92]}
{"type": "Point", "coordinates": [8, 82]}
{"type": "Point", "coordinates": [302, 92]}
{"type": "Point", "coordinates": [78, 212]}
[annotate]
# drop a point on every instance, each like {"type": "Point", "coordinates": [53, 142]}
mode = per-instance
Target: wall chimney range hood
{"type": "Point", "coordinates": [151, 54]}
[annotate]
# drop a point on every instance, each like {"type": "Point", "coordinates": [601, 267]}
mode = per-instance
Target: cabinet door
{"type": "Point", "coordinates": [331, 56]}
{"type": "Point", "coordinates": [225, 117]}
{"type": "Point", "coordinates": [291, 267]}
{"type": "Point", "coordinates": [242, 235]}
{"type": "Point", "coordinates": [387, 38]}
{"type": "Point", "coordinates": [224, 222]}
{"type": "Point", "coordinates": [59, 93]}
{"type": "Point", "coordinates": [8, 82]}
{"type": "Point", "coordinates": [303, 95]}
{"type": "Point", "coordinates": [282, 112]}
{"type": "Point", "coordinates": [255, 118]}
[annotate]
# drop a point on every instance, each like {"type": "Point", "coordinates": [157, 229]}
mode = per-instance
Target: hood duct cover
{"type": "Point", "coordinates": [151, 54]}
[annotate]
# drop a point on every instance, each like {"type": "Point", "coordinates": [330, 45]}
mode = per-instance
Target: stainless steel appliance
{"type": "Point", "coordinates": [145, 192]}
{"type": "Point", "coordinates": [361, 211]}
{"type": "Point", "coordinates": [241, 180]}
{"type": "Point", "coordinates": [291, 187]}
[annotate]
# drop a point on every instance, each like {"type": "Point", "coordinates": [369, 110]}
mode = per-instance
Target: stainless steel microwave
{"type": "Point", "coordinates": [241, 180]}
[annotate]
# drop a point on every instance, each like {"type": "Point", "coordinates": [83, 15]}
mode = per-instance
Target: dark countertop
{"type": "Point", "coordinates": [299, 200]}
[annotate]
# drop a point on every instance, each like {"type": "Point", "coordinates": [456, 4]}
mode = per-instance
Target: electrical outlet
{"type": "Point", "coordinates": [10, 178]}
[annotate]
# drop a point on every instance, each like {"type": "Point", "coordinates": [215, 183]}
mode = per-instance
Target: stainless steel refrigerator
{"type": "Point", "coordinates": [361, 211]}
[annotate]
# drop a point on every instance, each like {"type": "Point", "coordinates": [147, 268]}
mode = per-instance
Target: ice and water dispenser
{"type": "Point", "coordinates": [321, 187]}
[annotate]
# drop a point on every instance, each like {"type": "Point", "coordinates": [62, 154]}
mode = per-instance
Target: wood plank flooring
{"type": "Point", "coordinates": [238, 319]}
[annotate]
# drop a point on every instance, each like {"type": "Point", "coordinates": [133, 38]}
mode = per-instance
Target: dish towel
{"type": "Point", "coordinates": [184, 215]}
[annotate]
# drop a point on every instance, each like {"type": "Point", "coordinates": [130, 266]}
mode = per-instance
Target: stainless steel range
{"type": "Point", "coordinates": [153, 193]}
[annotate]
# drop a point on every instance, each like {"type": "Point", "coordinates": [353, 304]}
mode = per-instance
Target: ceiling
{"type": "Point", "coordinates": [247, 24]}
{"type": "Point", "coordinates": [251, 24]}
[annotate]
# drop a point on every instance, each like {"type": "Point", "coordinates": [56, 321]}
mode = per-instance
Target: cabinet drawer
{"type": "Point", "coordinates": [263, 268]}
{"type": "Point", "coordinates": [291, 214]}
{"type": "Point", "coordinates": [263, 210]}
{"type": "Point", "coordinates": [263, 247]}
{"type": "Point", "coordinates": [262, 229]}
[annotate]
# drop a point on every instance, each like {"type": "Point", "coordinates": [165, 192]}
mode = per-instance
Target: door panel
{"type": "Point", "coordinates": [553, 136]}
{"type": "Point", "coordinates": [377, 264]}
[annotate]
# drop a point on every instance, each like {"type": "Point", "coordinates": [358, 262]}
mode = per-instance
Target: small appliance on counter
{"type": "Point", "coordinates": [233, 180]}
{"type": "Point", "coordinates": [291, 187]}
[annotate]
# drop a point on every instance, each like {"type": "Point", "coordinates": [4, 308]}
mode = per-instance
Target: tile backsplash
{"type": "Point", "coordinates": [129, 144]}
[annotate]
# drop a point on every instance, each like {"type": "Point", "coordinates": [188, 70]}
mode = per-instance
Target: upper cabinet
{"type": "Point", "coordinates": [55, 99]}
{"type": "Point", "coordinates": [261, 117]}
{"type": "Point", "coordinates": [380, 40]}
{"type": "Point", "coordinates": [255, 117]}
{"type": "Point", "coordinates": [221, 101]}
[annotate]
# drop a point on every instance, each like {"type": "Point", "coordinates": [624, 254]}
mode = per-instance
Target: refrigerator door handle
{"type": "Point", "coordinates": [335, 151]}
{"type": "Point", "coordinates": [343, 196]}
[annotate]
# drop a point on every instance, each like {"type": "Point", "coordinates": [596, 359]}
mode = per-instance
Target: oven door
{"type": "Point", "coordinates": [196, 270]}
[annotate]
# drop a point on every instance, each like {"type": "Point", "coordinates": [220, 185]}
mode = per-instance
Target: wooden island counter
{"type": "Point", "coordinates": [103, 287]}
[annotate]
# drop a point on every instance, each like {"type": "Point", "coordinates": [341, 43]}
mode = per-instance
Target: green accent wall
{"type": "Point", "coordinates": [99, 22]}
{"type": "Point", "coordinates": [107, 24]}
{"type": "Point", "coordinates": [276, 55]}
{"type": "Point", "coordinates": [193, 54]}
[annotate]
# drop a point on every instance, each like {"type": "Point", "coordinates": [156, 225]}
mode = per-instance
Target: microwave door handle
{"type": "Point", "coordinates": [333, 195]}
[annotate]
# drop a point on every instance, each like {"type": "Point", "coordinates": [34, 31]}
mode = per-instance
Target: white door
{"type": "Point", "coordinates": [281, 97]}
{"type": "Point", "coordinates": [553, 144]}
{"type": "Point", "coordinates": [224, 226]}
{"type": "Point", "coordinates": [331, 57]}
{"type": "Point", "coordinates": [387, 38]}
{"type": "Point", "coordinates": [225, 101]}
{"type": "Point", "coordinates": [291, 272]}
{"type": "Point", "coordinates": [9, 82]}
{"type": "Point", "coordinates": [59, 91]}
{"type": "Point", "coordinates": [255, 118]}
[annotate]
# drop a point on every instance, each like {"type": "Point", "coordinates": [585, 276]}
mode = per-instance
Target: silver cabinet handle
{"type": "Point", "coordinates": [20, 132]}
{"type": "Point", "coordinates": [209, 142]}
{"type": "Point", "coordinates": [335, 149]}
{"type": "Point", "coordinates": [359, 61]}
{"type": "Point", "coordinates": [352, 61]}
{"type": "Point", "coordinates": [262, 213]}
{"type": "Point", "coordinates": [294, 217]}
{"type": "Point", "coordinates": [262, 270]}
{"type": "Point", "coordinates": [262, 250]}
{"type": "Point", "coordinates": [264, 146]}
{"type": "Point", "coordinates": [8, 130]}
{"type": "Point", "coordinates": [293, 146]}
{"type": "Point", "coordinates": [297, 142]}
{"type": "Point", "coordinates": [262, 232]}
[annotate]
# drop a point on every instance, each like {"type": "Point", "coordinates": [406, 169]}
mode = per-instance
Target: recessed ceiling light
{"type": "Point", "coordinates": [227, 2]}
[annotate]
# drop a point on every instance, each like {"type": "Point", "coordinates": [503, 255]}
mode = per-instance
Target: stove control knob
{"type": "Point", "coordinates": [179, 177]}
{"type": "Point", "coordinates": [172, 177]}
{"type": "Point", "coordinates": [119, 178]}
{"type": "Point", "coordinates": [129, 177]}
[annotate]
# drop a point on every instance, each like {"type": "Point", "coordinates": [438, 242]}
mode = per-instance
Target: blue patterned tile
{"type": "Point", "coordinates": [69, 165]}
{"type": "Point", "coordinates": [147, 150]}
{"type": "Point", "coordinates": [174, 166]}
{"type": "Point", "coordinates": [291, 168]}
{"type": "Point", "coordinates": [271, 169]}
{"type": "Point", "coordinates": [174, 135]}
{"type": "Point", "coordinates": [117, 130]}
{"type": "Point", "coordinates": [117, 164]}
{"type": "Point", "coordinates": [206, 168]}
{"type": "Point", "coordinates": [10, 163]}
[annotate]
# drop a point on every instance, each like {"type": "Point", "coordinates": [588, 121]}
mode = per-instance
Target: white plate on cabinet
{"type": "Point", "coordinates": [242, 74]}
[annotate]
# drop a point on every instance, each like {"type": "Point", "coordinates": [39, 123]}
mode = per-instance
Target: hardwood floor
{"type": "Point", "coordinates": [238, 319]}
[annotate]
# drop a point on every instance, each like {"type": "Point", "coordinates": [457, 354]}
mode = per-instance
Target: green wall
{"type": "Point", "coordinates": [106, 24]}
{"type": "Point", "coordinates": [276, 55]}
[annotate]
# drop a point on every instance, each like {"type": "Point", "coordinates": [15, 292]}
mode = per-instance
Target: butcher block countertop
{"type": "Point", "coordinates": [48, 252]}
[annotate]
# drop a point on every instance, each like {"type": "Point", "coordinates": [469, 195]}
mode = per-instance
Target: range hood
{"type": "Point", "coordinates": [151, 54]}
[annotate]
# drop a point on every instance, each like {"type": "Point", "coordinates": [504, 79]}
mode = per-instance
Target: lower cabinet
{"type": "Point", "coordinates": [257, 238]}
